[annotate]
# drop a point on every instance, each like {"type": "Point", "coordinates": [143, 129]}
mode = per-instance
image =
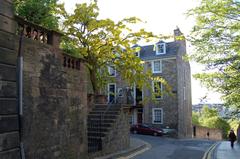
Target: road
{"type": "Point", "coordinates": [168, 148]}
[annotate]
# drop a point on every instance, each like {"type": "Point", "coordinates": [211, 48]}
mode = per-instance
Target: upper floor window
{"type": "Point", "coordinates": [161, 48]}
{"type": "Point", "coordinates": [112, 71]}
{"type": "Point", "coordinates": [157, 116]}
{"type": "Point", "coordinates": [157, 66]}
{"type": "Point", "coordinates": [157, 89]}
{"type": "Point", "coordinates": [137, 54]}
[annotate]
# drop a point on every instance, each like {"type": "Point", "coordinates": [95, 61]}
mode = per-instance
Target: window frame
{"type": "Point", "coordinates": [108, 93]}
{"type": "Point", "coordinates": [154, 117]}
{"type": "Point", "coordinates": [118, 92]}
{"type": "Point", "coordinates": [137, 54]}
{"type": "Point", "coordinates": [153, 66]}
{"type": "Point", "coordinates": [114, 70]}
{"type": "Point", "coordinates": [158, 50]}
{"type": "Point", "coordinates": [153, 88]}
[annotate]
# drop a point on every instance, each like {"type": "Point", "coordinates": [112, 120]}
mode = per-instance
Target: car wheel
{"type": "Point", "coordinates": [135, 132]}
{"type": "Point", "coordinates": [155, 134]}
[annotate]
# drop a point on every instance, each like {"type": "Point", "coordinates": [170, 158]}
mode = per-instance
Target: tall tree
{"type": "Point", "coordinates": [41, 12]}
{"type": "Point", "coordinates": [216, 38]}
{"type": "Point", "coordinates": [103, 43]}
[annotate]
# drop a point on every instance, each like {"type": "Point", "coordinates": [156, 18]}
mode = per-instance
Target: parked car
{"type": "Point", "coordinates": [146, 129]}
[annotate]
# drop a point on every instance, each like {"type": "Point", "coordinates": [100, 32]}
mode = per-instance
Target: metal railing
{"type": "Point", "coordinates": [96, 123]}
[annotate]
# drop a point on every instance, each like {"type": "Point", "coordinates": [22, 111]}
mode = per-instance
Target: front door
{"type": "Point", "coordinates": [139, 116]}
{"type": "Point", "coordinates": [111, 92]}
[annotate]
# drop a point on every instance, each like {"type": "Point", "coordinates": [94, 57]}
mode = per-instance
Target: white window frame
{"type": "Point", "coordinates": [154, 117]}
{"type": "Point", "coordinates": [114, 91]}
{"type": "Point", "coordinates": [164, 49]}
{"type": "Point", "coordinates": [114, 70]}
{"type": "Point", "coordinates": [120, 94]}
{"type": "Point", "coordinates": [154, 89]}
{"type": "Point", "coordinates": [153, 70]}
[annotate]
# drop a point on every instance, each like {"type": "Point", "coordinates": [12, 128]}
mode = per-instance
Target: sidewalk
{"type": "Point", "coordinates": [224, 151]}
{"type": "Point", "coordinates": [137, 146]}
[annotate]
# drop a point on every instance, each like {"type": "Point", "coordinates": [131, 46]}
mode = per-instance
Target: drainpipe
{"type": "Point", "coordinates": [20, 92]}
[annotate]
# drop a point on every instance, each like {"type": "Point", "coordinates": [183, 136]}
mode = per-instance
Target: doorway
{"type": "Point", "coordinates": [111, 92]}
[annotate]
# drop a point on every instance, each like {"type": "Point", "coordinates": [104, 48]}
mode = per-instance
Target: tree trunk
{"type": "Point", "coordinates": [93, 78]}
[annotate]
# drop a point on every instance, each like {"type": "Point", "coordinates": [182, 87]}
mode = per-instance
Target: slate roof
{"type": "Point", "coordinates": [148, 53]}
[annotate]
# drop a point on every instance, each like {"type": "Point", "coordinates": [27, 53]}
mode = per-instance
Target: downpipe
{"type": "Point", "coordinates": [20, 92]}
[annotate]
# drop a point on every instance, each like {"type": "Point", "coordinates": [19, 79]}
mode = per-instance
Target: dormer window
{"type": "Point", "coordinates": [137, 54]}
{"type": "Point", "coordinates": [161, 49]}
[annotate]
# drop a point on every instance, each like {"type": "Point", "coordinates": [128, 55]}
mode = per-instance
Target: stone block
{"type": "Point", "coordinates": [8, 106]}
{"type": "Point", "coordinates": [11, 154]}
{"type": "Point", "coordinates": [8, 56]}
{"type": "Point", "coordinates": [6, 8]}
{"type": "Point", "coordinates": [8, 123]}
{"type": "Point", "coordinates": [7, 40]}
{"type": "Point", "coordinates": [9, 141]}
{"type": "Point", "coordinates": [7, 24]}
{"type": "Point", "coordinates": [7, 72]}
{"type": "Point", "coordinates": [8, 89]}
{"type": "Point", "coordinates": [9, 1]}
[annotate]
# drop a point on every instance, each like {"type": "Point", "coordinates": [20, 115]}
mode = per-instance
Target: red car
{"type": "Point", "coordinates": [146, 129]}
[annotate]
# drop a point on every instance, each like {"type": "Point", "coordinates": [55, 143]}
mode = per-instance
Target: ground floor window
{"type": "Point", "coordinates": [157, 116]}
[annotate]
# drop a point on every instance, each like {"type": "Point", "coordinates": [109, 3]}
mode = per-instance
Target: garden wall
{"type": "Point", "coordinates": [207, 133]}
{"type": "Point", "coordinates": [53, 124]}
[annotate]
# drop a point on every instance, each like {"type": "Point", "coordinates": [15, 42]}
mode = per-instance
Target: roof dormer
{"type": "Point", "coordinates": [138, 49]}
{"type": "Point", "coordinates": [160, 48]}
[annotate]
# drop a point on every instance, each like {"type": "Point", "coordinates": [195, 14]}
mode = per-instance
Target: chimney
{"type": "Point", "coordinates": [178, 35]}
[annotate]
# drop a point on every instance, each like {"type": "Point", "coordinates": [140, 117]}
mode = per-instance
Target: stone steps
{"type": "Point", "coordinates": [104, 113]}
{"type": "Point", "coordinates": [105, 107]}
{"type": "Point", "coordinates": [99, 134]}
{"type": "Point", "coordinates": [106, 116]}
{"type": "Point", "coordinates": [100, 121]}
{"type": "Point", "coordinates": [103, 129]}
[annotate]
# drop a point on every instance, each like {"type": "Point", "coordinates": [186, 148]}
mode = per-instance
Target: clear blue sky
{"type": "Point", "coordinates": [162, 16]}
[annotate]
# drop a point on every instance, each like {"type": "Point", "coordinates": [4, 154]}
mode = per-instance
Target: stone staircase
{"type": "Point", "coordinates": [100, 122]}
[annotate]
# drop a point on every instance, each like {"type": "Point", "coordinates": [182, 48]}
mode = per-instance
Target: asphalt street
{"type": "Point", "coordinates": [169, 148]}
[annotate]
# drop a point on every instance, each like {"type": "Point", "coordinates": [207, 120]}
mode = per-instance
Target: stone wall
{"type": "Point", "coordinates": [119, 137]}
{"type": "Point", "coordinates": [55, 104]}
{"type": "Point", "coordinates": [53, 123]}
{"type": "Point", "coordinates": [202, 133]}
{"type": "Point", "coordinates": [183, 92]}
{"type": "Point", "coordinates": [9, 121]}
{"type": "Point", "coordinates": [168, 102]}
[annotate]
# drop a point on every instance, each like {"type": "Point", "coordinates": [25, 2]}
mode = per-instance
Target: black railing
{"type": "Point", "coordinates": [95, 143]}
{"type": "Point", "coordinates": [96, 123]}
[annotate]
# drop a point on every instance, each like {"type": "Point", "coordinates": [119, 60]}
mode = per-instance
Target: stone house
{"type": "Point", "coordinates": [165, 59]}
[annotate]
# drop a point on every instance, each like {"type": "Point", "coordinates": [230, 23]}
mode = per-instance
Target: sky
{"type": "Point", "coordinates": [160, 17]}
